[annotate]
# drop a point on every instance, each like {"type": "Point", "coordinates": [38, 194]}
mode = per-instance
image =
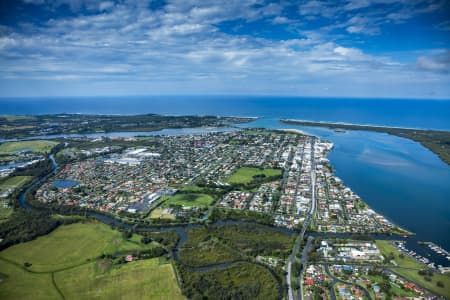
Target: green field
{"type": "Point", "coordinates": [14, 182]}
{"type": "Point", "coordinates": [17, 118]}
{"type": "Point", "coordinates": [190, 199]}
{"type": "Point", "coordinates": [71, 245]}
{"type": "Point", "coordinates": [159, 213]}
{"type": "Point", "coordinates": [245, 175]}
{"type": "Point", "coordinates": [5, 211]}
{"type": "Point", "coordinates": [38, 146]}
{"type": "Point", "coordinates": [147, 279]}
{"type": "Point", "coordinates": [20, 284]}
{"type": "Point", "coordinates": [386, 249]}
{"type": "Point", "coordinates": [70, 254]}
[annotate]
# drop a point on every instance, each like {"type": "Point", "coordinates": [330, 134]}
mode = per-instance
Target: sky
{"type": "Point", "coordinates": [339, 48]}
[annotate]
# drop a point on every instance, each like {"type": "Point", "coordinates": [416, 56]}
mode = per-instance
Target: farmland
{"type": "Point", "coordinates": [147, 279]}
{"type": "Point", "coordinates": [37, 146]}
{"type": "Point", "coordinates": [71, 255]}
{"type": "Point", "coordinates": [14, 182]}
{"type": "Point", "coordinates": [17, 283]}
{"type": "Point", "coordinates": [7, 189]}
{"type": "Point", "coordinates": [71, 245]}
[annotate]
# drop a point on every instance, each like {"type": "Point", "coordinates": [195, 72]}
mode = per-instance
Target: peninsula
{"type": "Point", "coordinates": [21, 126]}
{"type": "Point", "coordinates": [243, 214]}
{"type": "Point", "coordinates": [435, 140]}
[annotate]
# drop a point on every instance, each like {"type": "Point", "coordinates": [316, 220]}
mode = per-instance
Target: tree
{"type": "Point", "coordinates": [127, 234]}
{"type": "Point", "coordinates": [385, 286]}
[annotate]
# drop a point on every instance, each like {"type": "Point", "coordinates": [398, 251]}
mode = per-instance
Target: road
{"type": "Point", "coordinates": [335, 280]}
{"type": "Point", "coordinates": [304, 260]}
{"type": "Point", "coordinates": [299, 239]}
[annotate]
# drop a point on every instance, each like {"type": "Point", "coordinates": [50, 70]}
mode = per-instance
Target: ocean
{"type": "Point", "coordinates": [397, 177]}
{"type": "Point", "coordinates": [432, 114]}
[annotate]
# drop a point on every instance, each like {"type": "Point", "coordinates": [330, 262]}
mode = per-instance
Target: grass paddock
{"type": "Point", "coordinates": [245, 175]}
{"type": "Point", "coordinates": [38, 146]}
{"type": "Point", "coordinates": [70, 254]}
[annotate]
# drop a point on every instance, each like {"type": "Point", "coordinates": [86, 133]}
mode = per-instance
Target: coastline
{"type": "Point", "coordinates": [436, 141]}
{"type": "Point", "coordinates": [21, 127]}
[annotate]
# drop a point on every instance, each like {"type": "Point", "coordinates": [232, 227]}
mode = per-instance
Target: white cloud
{"type": "Point", "coordinates": [281, 20]}
{"type": "Point", "coordinates": [180, 45]}
{"type": "Point", "coordinates": [349, 52]}
{"type": "Point", "coordinates": [357, 4]}
{"type": "Point", "coordinates": [435, 63]}
{"type": "Point", "coordinates": [6, 42]}
{"type": "Point", "coordinates": [105, 5]}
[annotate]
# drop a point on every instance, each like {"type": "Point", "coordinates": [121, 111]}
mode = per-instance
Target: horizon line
{"type": "Point", "coordinates": [227, 95]}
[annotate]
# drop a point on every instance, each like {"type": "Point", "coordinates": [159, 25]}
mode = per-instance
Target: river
{"type": "Point", "coordinates": [397, 177]}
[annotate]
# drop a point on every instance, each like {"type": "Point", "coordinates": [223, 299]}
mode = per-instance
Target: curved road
{"type": "Point", "coordinates": [335, 280]}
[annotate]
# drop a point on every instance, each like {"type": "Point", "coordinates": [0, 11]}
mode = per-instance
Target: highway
{"type": "Point", "coordinates": [304, 260]}
{"type": "Point", "coordinates": [305, 226]}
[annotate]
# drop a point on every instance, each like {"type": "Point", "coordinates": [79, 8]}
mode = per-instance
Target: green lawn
{"type": "Point", "coordinates": [40, 146]}
{"type": "Point", "coordinates": [191, 199]}
{"type": "Point", "coordinates": [245, 175]}
{"type": "Point", "coordinates": [386, 248]}
{"type": "Point", "coordinates": [71, 245]}
{"type": "Point", "coordinates": [193, 189]}
{"type": "Point", "coordinates": [147, 279]}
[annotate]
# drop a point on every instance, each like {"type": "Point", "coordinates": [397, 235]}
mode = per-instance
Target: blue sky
{"type": "Point", "coordinates": [354, 48]}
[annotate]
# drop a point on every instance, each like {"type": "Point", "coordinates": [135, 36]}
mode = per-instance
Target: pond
{"type": "Point", "coordinates": [62, 184]}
